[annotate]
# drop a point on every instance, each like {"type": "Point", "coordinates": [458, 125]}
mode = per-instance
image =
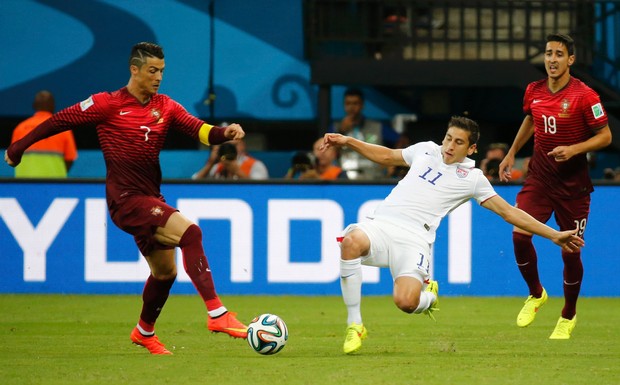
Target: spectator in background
{"type": "Point", "coordinates": [324, 166]}
{"type": "Point", "coordinates": [231, 161]}
{"type": "Point", "coordinates": [300, 163]}
{"type": "Point", "coordinates": [525, 165]}
{"type": "Point", "coordinates": [399, 172]}
{"type": "Point", "coordinates": [356, 125]}
{"type": "Point", "coordinates": [490, 164]}
{"type": "Point", "coordinates": [51, 157]}
{"type": "Point", "coordinates": [491, 170]}
{"type": "Point", "coordinates": [612, 174]}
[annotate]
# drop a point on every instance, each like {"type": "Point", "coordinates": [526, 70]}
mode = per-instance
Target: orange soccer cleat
{"type": "Point", "coordinates": [150, 342]}
{"type": "Point", "coordinates": [228, 323]}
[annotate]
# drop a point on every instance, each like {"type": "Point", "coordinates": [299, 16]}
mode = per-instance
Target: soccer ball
{"type": "Point", "coordinates": [267, 334]}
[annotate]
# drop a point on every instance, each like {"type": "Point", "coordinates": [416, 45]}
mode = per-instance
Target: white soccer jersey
{"type": "Point", "coordinates": [431, 190]}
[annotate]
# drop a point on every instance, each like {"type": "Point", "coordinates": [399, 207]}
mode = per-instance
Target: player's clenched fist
{"type": "Point", "coordinates": [8, 160]}
{"type": "Point", "coordinates": [234, 131]}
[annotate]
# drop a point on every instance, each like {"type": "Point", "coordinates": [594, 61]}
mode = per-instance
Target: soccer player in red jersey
{"type": "Point", "coordinates": [567, 120]}
{"type": "Point", "coordinates": [132, 124]}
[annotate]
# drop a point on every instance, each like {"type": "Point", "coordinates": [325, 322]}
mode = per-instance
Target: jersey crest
{"type": "Point", "coordinates": [565, 105]}
{"type": "Point", "coordinates": [157, 211]}
{"type": "Point", "coordinates": [156, 113]}
{"type": "Point", "coordinates": [461, 173]}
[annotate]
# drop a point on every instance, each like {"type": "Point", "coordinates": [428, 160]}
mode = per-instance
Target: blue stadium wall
{"type": "Point", "coordinates": [74, 48]}
{"type": "Point", "coordinates": [272, 239]}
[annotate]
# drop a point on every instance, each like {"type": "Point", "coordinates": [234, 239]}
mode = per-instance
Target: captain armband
{"type": "Point", "coordinates": [203, 133]}
{"type": "Point", "coordinates": [211, 135]}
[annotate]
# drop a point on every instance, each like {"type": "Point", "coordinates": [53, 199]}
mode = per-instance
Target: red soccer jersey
{"type": "Point", "coordinates": [564, 118]}
{"type": "Point", "coordinates": [131, 136]}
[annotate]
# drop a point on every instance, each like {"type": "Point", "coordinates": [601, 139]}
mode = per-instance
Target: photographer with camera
{"type": "Point", "coordinates": [320, 165]}
{"type": "Point", "coordinates": [231, 161]}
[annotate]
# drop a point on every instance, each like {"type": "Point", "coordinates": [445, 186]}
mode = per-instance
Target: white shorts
{"type": "Point", "coordinates": [404, 252]}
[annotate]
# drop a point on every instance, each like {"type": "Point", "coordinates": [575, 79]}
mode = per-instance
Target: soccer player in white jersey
{"type": "Point", "coordinates": [401, 232]}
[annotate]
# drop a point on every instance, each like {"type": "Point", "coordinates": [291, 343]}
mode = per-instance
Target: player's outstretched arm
{"type": "Point", "coordinates": [567, 240]}
{"type": "Point", "coordinates": [211, 135]}
{"type": "Point", "coordinates": [378, 154]}
{"type": "Point", "coordinates": [523, 135]}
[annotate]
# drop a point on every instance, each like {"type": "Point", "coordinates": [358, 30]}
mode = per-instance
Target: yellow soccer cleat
{"type": "Point", "coordinates": [353, 338]}
{"type": "Point", "coordinates": [433, 287]}
{"type": "Point", "coordinates": [528, 312]}
{"type": "Point", "coordinates": [563, 328]}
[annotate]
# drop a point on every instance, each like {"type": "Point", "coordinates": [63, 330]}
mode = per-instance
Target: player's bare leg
{"type": "Point", "coordinates": [410, 298]}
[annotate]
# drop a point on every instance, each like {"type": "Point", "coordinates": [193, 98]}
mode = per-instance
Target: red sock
{"type": "Point", "coordinates": [527, 261]}
{"type": "Point", "coordinates": [197, 267]}
{"type": "Point", "coordinates": [154, 297]}
{"type": "Point", "coordinates": [573, 275]}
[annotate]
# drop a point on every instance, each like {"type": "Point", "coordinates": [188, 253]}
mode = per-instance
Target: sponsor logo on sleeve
{"type": "Point", "coordinates": [85, 104]}
{"type": "Point", "coordinates": [597, 111]}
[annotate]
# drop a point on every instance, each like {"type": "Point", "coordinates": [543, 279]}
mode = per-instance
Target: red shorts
{"type": "Point", "coordinates": [568, 213]}
{"type": "Point", "coordinates": [139, 216]}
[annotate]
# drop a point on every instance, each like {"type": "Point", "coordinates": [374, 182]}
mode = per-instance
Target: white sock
{"type": "Point", "coordinates": [426, 300]}
{"type": "Point", "coordinates": [351, 286]}
{"type": "Point", "coordinates": [144, 332]}
{"type": "Point", "coordinates": [217, 312]}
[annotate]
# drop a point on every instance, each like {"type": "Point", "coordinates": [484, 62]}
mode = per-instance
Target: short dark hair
{"type": "Point", "coordinates": [227, 151]}
{"type": "Point", "coordinates": [467, 125]}
{"type": "Point", "coordinates": [568, 41]}
{"type": "Point", "coordinates": [492, 168]}
{"type": "Point", "coordinates": [43, 101]}
{"type": "Point", "coordinates": [354, 92]}
{"type": "Point", "coordinates": [498, 146]}
{"type": "Point", "coordinates": [141, 51]}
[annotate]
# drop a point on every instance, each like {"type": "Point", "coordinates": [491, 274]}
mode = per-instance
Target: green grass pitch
{"type": "Point", "coordinates": [61, 339]}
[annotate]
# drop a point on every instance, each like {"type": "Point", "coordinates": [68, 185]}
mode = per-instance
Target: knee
{"type": "Point", "coordinates": [165, 274]}
{"type": "Point", "coordinates": [347, 243]}
{"type": "Point", "coordinates": [163, 265]}
{"type": "Point", "coordinates": [520, 239]}
{"type": "Point", "coordinates": [571, 258]}
{"type": "Point", "coordinates": [408, 305]}
{"type": "Point", "coordinates": [350, 248]}
{"type": "Point", "coordinates": [191, 235]}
